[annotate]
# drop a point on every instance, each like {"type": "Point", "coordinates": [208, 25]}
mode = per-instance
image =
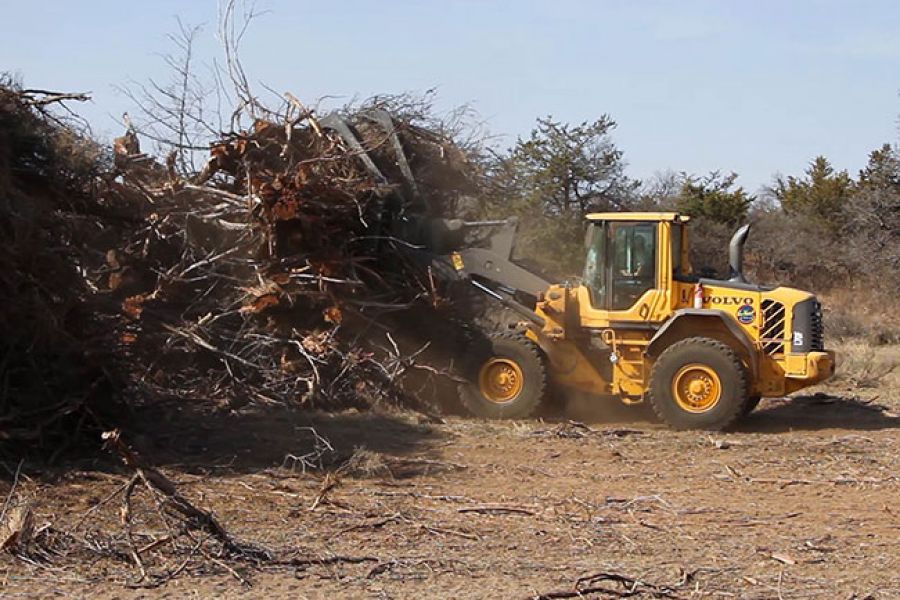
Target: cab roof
{"type": "Point", "coordinates": [637, 216]}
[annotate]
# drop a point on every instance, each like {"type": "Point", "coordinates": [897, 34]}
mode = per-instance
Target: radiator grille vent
{"type": "Point", "coordinates": [772, 337]}
{"type": "Point", "coordinates": [817, 328]}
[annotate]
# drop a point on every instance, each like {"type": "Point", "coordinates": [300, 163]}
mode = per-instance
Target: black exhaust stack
{"type": "Point", "coordinates": [736, 254]}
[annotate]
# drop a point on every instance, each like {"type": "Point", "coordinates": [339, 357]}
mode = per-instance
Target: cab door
{"type": "Point", "coordinates": [621, 279]}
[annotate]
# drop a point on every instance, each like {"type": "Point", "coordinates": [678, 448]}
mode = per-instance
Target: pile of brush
{"type": "Point", "coordinates": [55, 322]}
{"type": "Point", "coordinates": [263, 278]}
{"type": "Point", "coordinates": [289, 232]}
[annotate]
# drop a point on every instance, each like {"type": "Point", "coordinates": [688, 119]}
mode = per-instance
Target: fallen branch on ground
{"type": "Point", "coordinates": [625, 587]}
{"type": "Point", "coordinates": [495, 509]}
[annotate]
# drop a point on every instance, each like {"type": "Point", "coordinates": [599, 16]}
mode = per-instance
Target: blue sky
{"type": "Point", "coordinates": [754, 87]}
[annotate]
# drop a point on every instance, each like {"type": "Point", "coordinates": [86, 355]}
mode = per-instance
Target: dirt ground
{"type": "Point", "coordinates": [801, 501]}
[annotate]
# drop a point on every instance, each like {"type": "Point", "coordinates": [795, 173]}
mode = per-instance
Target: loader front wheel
{"type": "Point", "coordinates": [699, 383]}
{"type": "Point", "coordinates": [506, 377]}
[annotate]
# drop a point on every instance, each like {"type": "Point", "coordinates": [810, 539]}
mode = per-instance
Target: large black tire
{"type": "Point", "coordinates": [703, 356]}
{"type": "Point", "coordinates": [751, 404]}
{"type": "Point", "coordinates": [505, 351]}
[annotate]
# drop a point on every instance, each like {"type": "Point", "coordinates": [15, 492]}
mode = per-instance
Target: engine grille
{"type": "Point", "coordinates": [772, 338]}
{"type": "Point", "coordinates": [817, 328]}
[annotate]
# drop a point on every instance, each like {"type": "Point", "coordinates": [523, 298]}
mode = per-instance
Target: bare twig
{"type": "Point", "coordinates": [625, 587]}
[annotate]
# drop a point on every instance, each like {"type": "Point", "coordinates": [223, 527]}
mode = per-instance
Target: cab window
{"type": "Point", "coordinates": [681, 265]}
{"type": "Point", "coordinates": [595, 271]}
{"type": "Point", "coordinates": [621, 263]}
{"type": "Point", "coordinates": [633, 249]}
{"type": "Point", "coordinates": [676, 249]}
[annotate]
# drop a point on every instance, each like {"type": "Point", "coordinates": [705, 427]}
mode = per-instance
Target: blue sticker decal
{"type": "Point", "coordinates": [746, 314]}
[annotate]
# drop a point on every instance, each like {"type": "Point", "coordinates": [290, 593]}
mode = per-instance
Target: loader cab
{"type": "Point", "coordinates": [631, 261]}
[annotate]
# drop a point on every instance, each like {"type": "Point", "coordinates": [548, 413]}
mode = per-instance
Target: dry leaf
{"type": "Point", "coordinates": [333, 315]}
{"type": "Point", "coordinates": [261, 304]}
{"type": "Point", "coordinates": [133, 306]}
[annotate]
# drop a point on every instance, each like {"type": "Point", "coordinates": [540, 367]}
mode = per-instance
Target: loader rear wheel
{"type": "Point", "coordinates": [699, 383]}
{"type": "Point", "coordinates": [506, 377]}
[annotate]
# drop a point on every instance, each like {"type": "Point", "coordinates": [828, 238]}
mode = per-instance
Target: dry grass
{"type": "Point", "coordinates": [861, 315]}
{"type": "Point", "coordinates": [863, 365]}
{"type": "Point", "coordinates": [796, 503]}
{"type": "Point", "coordinates": [366, 464]}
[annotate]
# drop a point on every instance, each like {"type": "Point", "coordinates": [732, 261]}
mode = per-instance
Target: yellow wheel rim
{"type": "Point", "coordinates": [500, 380]}
{"type": "Point", "coordinates": [696, 388]}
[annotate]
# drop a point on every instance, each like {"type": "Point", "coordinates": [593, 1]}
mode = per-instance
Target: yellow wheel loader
{"type": "Point", "coordinates": [642, 326]}
{"type": "Point", "coordinates": [639, 324]}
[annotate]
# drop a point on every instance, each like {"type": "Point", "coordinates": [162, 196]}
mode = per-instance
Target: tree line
{"type": "Point", "coordinates": [824, 229]}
